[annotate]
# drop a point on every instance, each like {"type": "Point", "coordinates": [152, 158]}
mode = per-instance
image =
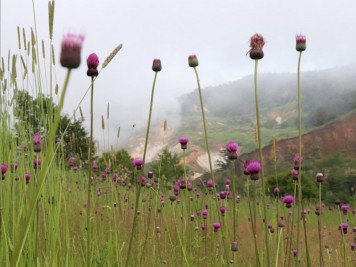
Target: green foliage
{"type": "Point", "coordinates": [340, 176]}
{"type": "Point", "coordinates": [168, 165]}
{"type": "Point", "coordinates": [35, 114]}
{"type": "Point", "coordinates": [119, 161]}
{"type": "Point", "coordinates": [286, 185]}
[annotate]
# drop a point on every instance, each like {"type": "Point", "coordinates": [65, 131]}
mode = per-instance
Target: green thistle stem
{"type": "Point", "coordinates": [261, 160]}
{"type": "Point", "coordinates": [139, 185]}
{"type": "Point", "coordinates": [234, 199]}
{"type": "Point", "coordinates": [299, 167]}
{"type": "Point", "coordinates": [90, 171]}
{"type": "Point", "coordinates": [209, 156]}
{"type": "Point", "coordinates": [41, 178]}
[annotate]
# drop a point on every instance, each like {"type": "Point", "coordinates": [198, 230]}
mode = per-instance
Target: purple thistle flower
{"type": "Point", "coordinates": [27, 177]}
{"type": "Point", "coordinates": [183, 140]}
{"type": "Point", "coordinates": [37, 140]}
{"type": "Point", "coordinates": [296, 160]}
{"type": "Point", "coordinates": [3, 169]}
{"type": "Point", "coordinates": [203, 226]}
{"type": "Point", "coordinates": [210, 183]}
{"type": "Point", "coordinates": [232, 149]}
{"type": "Point", "coordinates": [276, 190]}
{"type": "Point", "coordinates": [71, 47]}
{"type": "Point", "coordinates": [138, 162]}
{"type": "Point", "coordinates": [92, 63]}
{"type": "Point", "coordinates": [71, 161]}
{"type": "Point", "coordinates": [204, 213]}
{"type": "Point", "coordinates": [228, 182]}
{"type": "Point", "coordinates": [295, 252]}
{"type": "Point", "coordinates": [256, 44]}
{"type": "Point", "coordinates": [75, 168]}
{"type": "Point", "coordinates": [344, 226]}
{"type": "Point", "coordinates": [216, 226]}
{"type": "Point", "coordinates": [232, 146]}
{"type": "Point", "coordinates": [222, 210]}
{"type": "Point", "coordinates": [345, 208]}
{"type": "Point", "coordinates": [300, 42]}
{"type": "Point", "coordinates": [288, 200]}
{"type": "Point", "coordinates": [253, 168]}
{"type": "Point", "coordinates": [95, 166]}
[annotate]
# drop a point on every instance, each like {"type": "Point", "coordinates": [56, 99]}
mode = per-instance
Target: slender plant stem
{"type": "Point", "coordinates": [234, 199]}
{"type": "Point", "coordinates": [42, 177]}
{"type": "Point", "coordinates": [139, 185]}
{"type": "Point", "coordinates": [319, 229]}
{"type": "Point", "coordinates": [262, 168]}
{"type": "Point", "coordinates": [252, 224]}
{"type": "Point", "coordinates": [300, 166]}
{"type": "Point", "coordinates": [279, 241]}
{"type": "Point", "coordinates": [90, 171]}
{"type": "Point", "coordinates": [209, 156]}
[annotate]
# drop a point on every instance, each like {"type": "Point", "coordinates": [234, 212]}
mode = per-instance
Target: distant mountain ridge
{"type": "Point", "coordinates": [327, 95]}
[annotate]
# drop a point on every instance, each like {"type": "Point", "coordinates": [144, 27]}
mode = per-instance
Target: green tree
{"type": "Point", "coordinates": [286, 185]}
{"type": "Point", "coordinates": [168, 165]}
{"type": "Point", "coordinates": [34, 114]}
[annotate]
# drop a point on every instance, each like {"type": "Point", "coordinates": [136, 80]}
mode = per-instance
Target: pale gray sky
{"type": "Point", "coordinates": [217, 31]}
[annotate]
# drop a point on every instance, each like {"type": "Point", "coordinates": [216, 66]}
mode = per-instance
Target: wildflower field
{"type": "Point", "coordinates": [62, 206]}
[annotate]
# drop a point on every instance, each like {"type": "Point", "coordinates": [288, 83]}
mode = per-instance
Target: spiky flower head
{"type": "Point", "coordinates": [210, 183]}
{"type": "Point", "coordinates": [27, 177]}
{"type": "Point", "coordinates": [245, 167]}
{"type": "Point", "coordinates": [193, 61]}
{"type": "Point", "coordinates": [345, 208]}
{"type": "Point", "coordinates": [183, 140]}
{"type": "Point", "coordinates": [256, 46]}
{"type": "Point", "coordinates": [92, 63]}
{"type": "Point", "coordinates": [297, 161]}
{"type": "Point", "coordinates": [344, 226]}
{"type": "Point", "coordinates": [156, 65]}
{"type": "Point", "coordinates": [232, 149]}
{"type": "Point", "coordinates": [71, 47]}
{"type": "Point", "coordinates": [223, 210]}
{"type": "Point", "coordinates": [295, 252]}
{"type": "Point", "coordinates": [253, 168]}
{"type": "Point", "coordinates": [95, 166]}
{"type": "Point", "coordinates": [276, 190]}
{"type": "Point", "coordinates": [288, 200]}
{"type": "Point", "coordinates": [3, 169]}
{"type": "Point", "coordinates": [300, 42]}
{"type": "Point", "coordinates": [204, 213]}
{"type": "Point", "coordinates": [37, 140]}
{"type": "Point", "coordinates": [138, 163]}
{"type": "Point", "coordinates": [71, 161]}
{"type": "Point", "coordinates": [216, 226]}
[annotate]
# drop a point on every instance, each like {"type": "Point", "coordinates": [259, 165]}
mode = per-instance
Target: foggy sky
{"type": "Point", "coordinates": [217, 31]}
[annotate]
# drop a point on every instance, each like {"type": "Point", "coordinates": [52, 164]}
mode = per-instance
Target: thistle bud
{"type": "Point", "coordinates": [256, 43]}
{"type": "Point", "coordinates": [156, 66]}
{"type": "Point", "coordinates": [92, 63]}
{"type": "Point", "coordinates": [71, 47]}
{"type": "Point", "coordinates": [193, 61]}
{"type": "Point", "coordinates": [300, 42]}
